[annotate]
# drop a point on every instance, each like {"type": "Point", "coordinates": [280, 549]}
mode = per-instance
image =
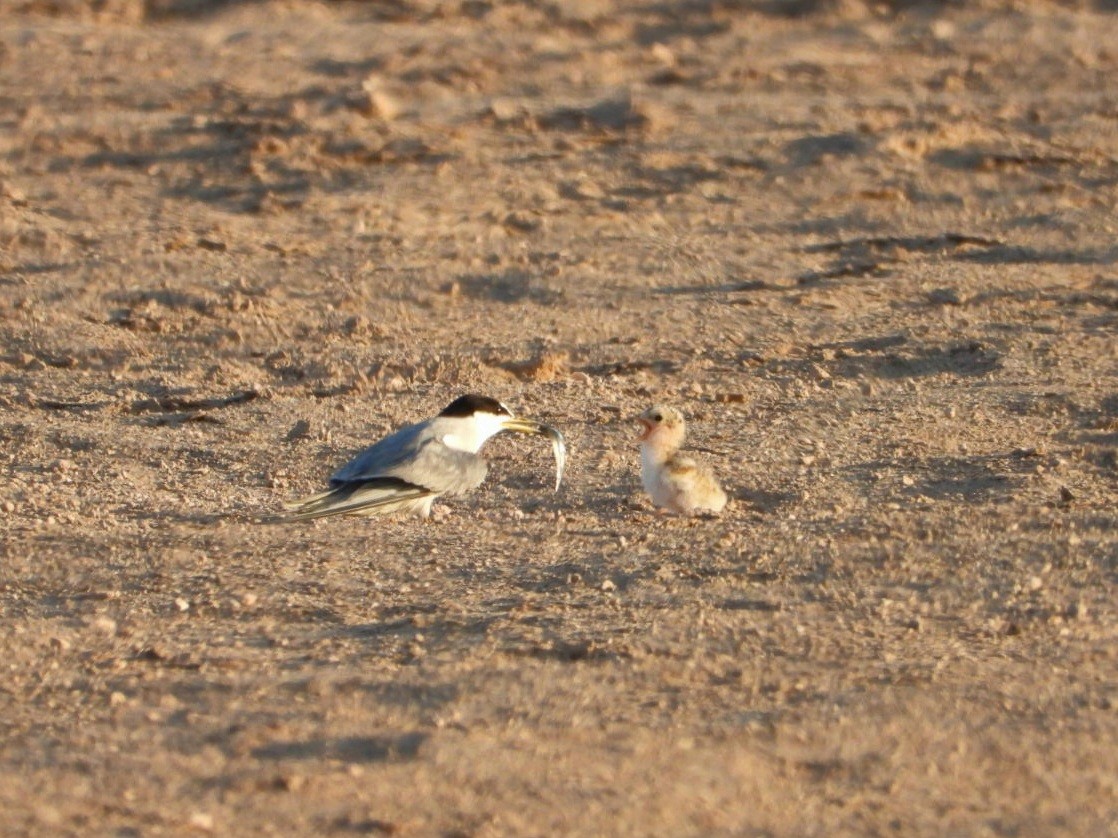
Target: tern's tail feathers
{"type": "Point", "coordinates": [373, 497]}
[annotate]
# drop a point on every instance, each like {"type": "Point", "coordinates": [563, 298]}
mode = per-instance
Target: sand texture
{"type": "Point", "coordinates": [869, 249]}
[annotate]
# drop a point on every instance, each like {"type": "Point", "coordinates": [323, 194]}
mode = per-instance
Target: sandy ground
{"type": "Point", "coordinates": [869, 249]}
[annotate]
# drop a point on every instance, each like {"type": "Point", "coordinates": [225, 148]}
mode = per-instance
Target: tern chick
{"type": "Point", "coordinates": [408, 470]}
{"type": "Point", "coordinates": [672, 479]}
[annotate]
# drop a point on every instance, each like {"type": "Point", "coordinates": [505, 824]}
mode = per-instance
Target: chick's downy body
{"type": "Point", "coordinates": [674, 480]}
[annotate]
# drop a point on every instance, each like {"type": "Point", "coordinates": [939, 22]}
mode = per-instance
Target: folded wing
{"type": "Point", "coordinates": [399, 472]}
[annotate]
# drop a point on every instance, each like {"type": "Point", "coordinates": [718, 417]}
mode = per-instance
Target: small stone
{"type": "Point", "coordinates": [291, 782]}
{"type": "Point", "coordinates": [608, 586]}
{"type": "Point", "coordinates": [117, 699]}
{"type": "Point", "coordinates": [16, 195]}
{"type": "Point", "coordinates": [248, 600]}
{"type": "Point", "coordinates": [943, 30]}
{"type": "Point", "coordinates": [945, 297]}
{"type": "Point", "coordinates": [182, 604]}
{"type": "Point", "coordinates": [300, 430]}
{"type": "Point", "coordinates": [582, 189]}
{"type": "Point", "coordinates": [357, 325]}
{"type": "Point", "coordinates": [506, 110]}
{"type": "Point", "coordinates": [49, 816]}
{"type": "Point", "coordinates": [382, 106]}
{"type": "Point", "coordinates": [9, 506]}
{"type": "Point", "coordinates": [202, 821]}
{"type": "Point", "coordinates": [522, 222]}
{"type": "Point", "coordinates": [1035, 583]}
{"type": "Point", "coordinates": [663, 54]}
{"type": "Point", "coordinates": [104, 625]}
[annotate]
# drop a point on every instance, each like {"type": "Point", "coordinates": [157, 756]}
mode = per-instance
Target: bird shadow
{"type": "Point", "coordinates": [763, 500]}
{"type": "Point", "coordinates": [350, 749]}
{"type": "Point", "coordinates": [511, 286]}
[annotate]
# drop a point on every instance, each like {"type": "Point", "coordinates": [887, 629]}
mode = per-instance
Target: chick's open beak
{"type": "Point", "coordinates": [646, 428]}
{"type": "Point", "coordinates": [558, 444]}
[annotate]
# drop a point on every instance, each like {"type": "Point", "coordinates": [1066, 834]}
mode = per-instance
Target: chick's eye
{"type": "Point", "coordinates": [656, 417]}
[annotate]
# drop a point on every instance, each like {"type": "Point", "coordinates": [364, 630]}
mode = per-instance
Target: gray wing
{"type": "Point", "coordinates": [414, 455]}
{"type": "Point", "coordinates": [378, 458]}
{"type": "Point", "coordinates": [441, 470]}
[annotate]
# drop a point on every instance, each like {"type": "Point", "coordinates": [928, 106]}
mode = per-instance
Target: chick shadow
{"type": "Point", "coordinates": [399, 747]}
{"type": "Point", "coordinates": [509, 287]}
{"type": "Point", "coordinates": [761, 500]}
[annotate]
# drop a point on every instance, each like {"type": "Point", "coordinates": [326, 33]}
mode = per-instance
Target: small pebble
{"type": "Point", "coordinates": [202, 821]}
{"type": "Point", "coordinates": [945, 297]}
{"type": "Point", "coordinates": [104, 625]}
{"type": "Point", "coordinates": [49, 816]}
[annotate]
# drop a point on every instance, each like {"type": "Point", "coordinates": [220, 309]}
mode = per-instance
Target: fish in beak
{"type": "Point", "coordinates": [558, 444]}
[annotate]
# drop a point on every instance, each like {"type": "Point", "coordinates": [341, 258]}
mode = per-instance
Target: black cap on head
{"type": "Point", "coordinates": [473, 403]}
